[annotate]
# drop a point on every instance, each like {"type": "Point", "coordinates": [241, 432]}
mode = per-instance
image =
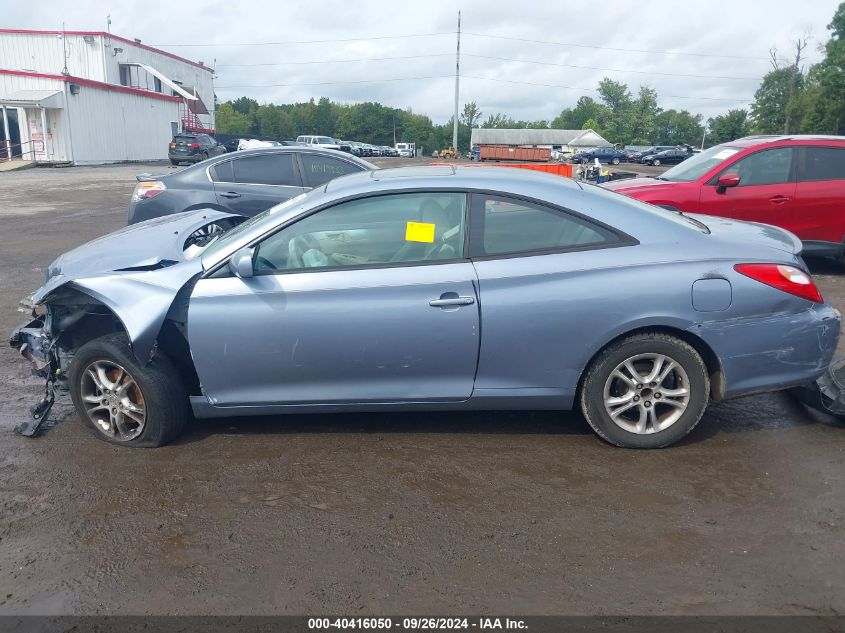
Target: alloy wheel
{"type": "Point", "coordinates": [646, 393]}
{"type": "Point", "coordinates": [113, 401]}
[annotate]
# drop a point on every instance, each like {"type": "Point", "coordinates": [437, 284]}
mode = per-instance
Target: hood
{"type": "Point", "coordinates": [136, 272]}
{"type": "Point", "coordinates": [145, 246]}
{"type": "Point", "coordinates": [641, 184]}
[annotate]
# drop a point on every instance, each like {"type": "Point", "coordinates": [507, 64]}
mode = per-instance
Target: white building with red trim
{"type": "Point", "coordinates": [85, 97]}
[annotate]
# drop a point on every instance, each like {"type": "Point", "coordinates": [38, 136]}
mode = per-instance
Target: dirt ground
{"type": "Point", "coordinates": [523, 513]}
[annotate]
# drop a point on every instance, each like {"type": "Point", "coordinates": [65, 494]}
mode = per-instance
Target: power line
{"type": "Point", "coordinates": [331, 41]}
{"type": "Point", "coordinates": [529, 83]}
{"type": "Point", "coordinates": [334, 83]}
{"type": "Point", "coordinates": [618, 70]}
{"type": "Point", "coordinates": [441, 33]}
{"type": "Point", "coordinates": [334, 61]}
{"type": "Point", "coordinates": [608, 48]}
{"type": "Point", "coordinates": [392, 79]}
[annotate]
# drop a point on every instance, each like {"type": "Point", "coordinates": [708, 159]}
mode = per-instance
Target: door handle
{"type": "Point", "coordinates": [451, 301]}
{"type": "Point", "coordinates": [779, 199]}
{"type": "Point", "coordinates": [231, 194]}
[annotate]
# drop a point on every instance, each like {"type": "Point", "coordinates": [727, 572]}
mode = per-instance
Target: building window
{"type": "Point", "coordinates": [124, 75]}
{"type": "Point", "coordinates": [157, 84]}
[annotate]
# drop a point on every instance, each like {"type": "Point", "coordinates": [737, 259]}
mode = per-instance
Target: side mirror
{"type": "Point", "coordinates": [728, 179]}
{"type": "Point", "coordinates": [240, 264]}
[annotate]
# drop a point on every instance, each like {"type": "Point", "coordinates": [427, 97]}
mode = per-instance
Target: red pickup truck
{"type": "Point", "coordinates": [794, 182]}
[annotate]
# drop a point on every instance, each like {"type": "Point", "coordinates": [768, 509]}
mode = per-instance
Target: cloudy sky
{"type": "Point", "coordinates": [526, 59]}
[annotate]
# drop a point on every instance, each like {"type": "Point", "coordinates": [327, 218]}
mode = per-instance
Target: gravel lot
{"type": "Point", "coordinates": [524, 513]}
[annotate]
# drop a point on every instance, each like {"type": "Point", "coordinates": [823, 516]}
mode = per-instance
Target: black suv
{"type": "Point", "coordinates": [192, 148]}
{"type": "Point", "coordinates": [244, 183]}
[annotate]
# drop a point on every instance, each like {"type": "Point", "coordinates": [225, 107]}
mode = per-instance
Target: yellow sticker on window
{"type": "Point", "coordinates": [419, 232]}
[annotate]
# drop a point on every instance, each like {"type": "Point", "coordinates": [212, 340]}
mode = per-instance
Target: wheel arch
{"type": "Point", "coordinates": [711, 360]}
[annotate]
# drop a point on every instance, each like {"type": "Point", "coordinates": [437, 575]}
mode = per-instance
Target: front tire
{"type": "Point", "coordinates": [615, 161]}
{"type": "Point", "coordinates": [123, 402]}
{"type": "Point", "coordinates": [646, 391]}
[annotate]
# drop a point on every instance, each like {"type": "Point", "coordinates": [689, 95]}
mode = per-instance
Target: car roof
{"type": "Point", "coordinates": [761, 139]}
{"type": "Point", "coordinates": [304, 149]}
{"type": "Point", "coordinates": [447, 176]}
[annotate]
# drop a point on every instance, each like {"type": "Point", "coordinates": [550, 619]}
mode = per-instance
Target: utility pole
{"type": "Point", "coordinates": [457, 86]}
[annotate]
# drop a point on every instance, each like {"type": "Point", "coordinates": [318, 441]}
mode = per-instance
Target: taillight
{"type": "Point", "coordinates": [783, 277]}
{"type": "Point", "coordinates": [173, 146]}
{"type": "Point", "coordinates": [147, 189]}
{"type": "Point", "coordinates": [195, 145]}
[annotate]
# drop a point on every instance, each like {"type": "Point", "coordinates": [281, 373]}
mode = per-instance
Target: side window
{"type": "Point", "coordinates": [512, 226]}
{"type": "Point", "coordinates": [222, 171]}
{"type": "Point", "coordinates": [266, 169]}
{"type": "Point", "coordinates": [768, 167]}
{"type": "Point", "coordinates": [320, 169]}
{"type": "Point", "coordinates": [823, 163]}
{"type": "Point", "coordinates": [400, 228]}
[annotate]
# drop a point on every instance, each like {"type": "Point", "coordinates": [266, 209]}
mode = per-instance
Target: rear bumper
{"type": "Point", "coordinates": [773, 352]}
{"type": "Point", "coordinates": [186, 158]}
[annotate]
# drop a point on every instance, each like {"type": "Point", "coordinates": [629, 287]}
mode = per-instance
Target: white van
{"type": "Point", "coordinates": [408, 150]}
{"type": "Point", "coordinates": [326, 142]}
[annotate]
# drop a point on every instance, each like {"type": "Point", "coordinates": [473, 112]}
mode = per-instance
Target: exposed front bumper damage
{"type": "Point", "coordinates": [36, 345]}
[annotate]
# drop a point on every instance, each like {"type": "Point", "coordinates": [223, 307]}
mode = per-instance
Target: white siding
{"type": "Point", "coordinates": [97, 125]}
{"type": "Point", "coordinates": [43, 54]}
{"type": "Point", "coordinates": [187, 74]}
{"type": "Point", "coordinates": [108, 126]}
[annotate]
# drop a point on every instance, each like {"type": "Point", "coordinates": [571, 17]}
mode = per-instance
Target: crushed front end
{"type": "Point", "coordinates": [35, 343]}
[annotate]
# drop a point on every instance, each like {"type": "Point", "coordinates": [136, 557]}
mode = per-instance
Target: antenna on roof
{"type": "Point", "coordinates": [108, 23]}
{"type": "Point", "coordinates": [64, 51]}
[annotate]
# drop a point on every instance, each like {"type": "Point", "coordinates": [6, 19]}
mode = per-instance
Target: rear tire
{"type": "Point", "coordinates": [143, 407]}
{"type": "Point", "coordinates": [627, 410]}
{"type": "Point", "coordinates": [615, 161]}
{"type": "Point", "coordinates": [174, 162]}
{"type": "Point", "coordinates": [655, 163]}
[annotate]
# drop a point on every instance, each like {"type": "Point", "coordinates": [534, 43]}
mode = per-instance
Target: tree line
{"type": "Point", "coordinates": [790, 99]}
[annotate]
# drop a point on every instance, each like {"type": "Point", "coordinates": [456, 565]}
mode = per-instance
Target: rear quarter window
{"type": "Point", "coordinates": [321, 169]}
{"type": "Point", "coordinates": [222, 172]}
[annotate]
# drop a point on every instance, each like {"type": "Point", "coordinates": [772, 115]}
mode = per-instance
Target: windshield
{"type": "Point", "coordinates": [699, 164]}
{"type": "Point", "coordinates": [220, 242]}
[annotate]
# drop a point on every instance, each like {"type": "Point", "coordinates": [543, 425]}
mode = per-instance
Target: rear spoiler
{"type": "Point", "coordinates": [146, 177]}
{"type": "Point", "coordinates": [797, 244]}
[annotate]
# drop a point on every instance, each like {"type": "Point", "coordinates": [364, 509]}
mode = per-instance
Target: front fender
{"type": "Point", "coordinates": [140, 301]}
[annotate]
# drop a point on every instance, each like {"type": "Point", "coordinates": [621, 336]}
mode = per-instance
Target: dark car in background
{"type": "Point", "coordinates": [603, 154]}
{"type": "Point", "coordinates": [244, 183]}
{"type": "Point", "coordinates": [634, 155]}
{"type": "Point", "coordinates": [667, 157]}
{"type": "Point", "coordinates": [192, 148]}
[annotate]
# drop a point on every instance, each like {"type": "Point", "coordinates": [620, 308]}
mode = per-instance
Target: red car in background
{"type": "Point", "coordinates": [794, 182]}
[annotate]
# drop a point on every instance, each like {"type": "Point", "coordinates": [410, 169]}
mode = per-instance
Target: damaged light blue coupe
{"type": "Point", "coordinates": [428, 288]}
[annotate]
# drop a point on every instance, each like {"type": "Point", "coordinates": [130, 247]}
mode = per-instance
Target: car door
{"type": "Point", "coordinates": [537, 295]}
{"type": "Point", "coordinates": [247, 185]}
{"type": "Point", "coordinates": [819, 214]}
{"type": "Point", "coordinates": [367, 301]}
{"type": "Point", "coordinates": [766, 191]}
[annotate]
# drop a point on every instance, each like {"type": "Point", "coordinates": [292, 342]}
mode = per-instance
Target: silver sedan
{"type": "Point", "coordinates": [430, 288]}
